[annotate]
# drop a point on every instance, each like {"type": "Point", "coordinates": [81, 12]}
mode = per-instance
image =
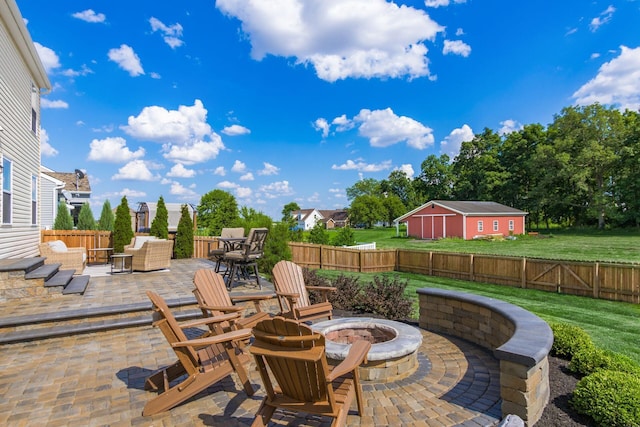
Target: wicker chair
{"type": "Point", "coordinates": [57, 252]}
{"type": "Point", "coordinates": [154, 254]}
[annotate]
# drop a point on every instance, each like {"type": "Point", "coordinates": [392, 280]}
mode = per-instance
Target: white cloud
{"type": "Point", "coordinates": [113, 150]}
{"type": "Point", "coordinates": [456, 47]}
{"type": "Point", "coordinates": [124, 192]}
{"type": "Point", "coordinates": [275, 189]}
{"type": "Point", "coordinates": [321, 125]}
{"type": "Point", "coordinates": [617, 82]}
{"type": "Point", "coordinates": [342, 123]}
{"type": "Point", "coordinates": [459, 32]}
{"type": "Point", "coordinates": [443, 3]}
{"type": "Point", "coordinates": [235, 130]}
{"type": "Point", "coordinates": [407, 169]}
{"type": "Point", "coordinates": [451, 144]}
{"type": "Point", "coordinates": [186, 135]}
{"type": "Point", "coordinates": [171, 33]}
{"type": "Point", "coordinates": [509, 126]}
{"type": "Point", "coordinates": [594, 55]}
{"type": "Point", "coordinates": [602, 19]}
{"type": "Point", "coordinates": [384, 128]}
{"type": "Point", "coordinates": [179, 171]}
{"type": "Point", "coordinates": [243, 192]}
{"type": "Point", "coordinates": [247, 177]}
{"type": "Point", "coordinates": [48, 57]}
{"type": "Point", "coordinates": [135, 170]}
{"type": "Point", "coordinates": [269, 169]}
{"type": "Point", "coordinates": [47, 103]}
{"type": "Point", "coordinates": [46, 149]}
{"type": "Point", "coordinates": [362, 166]}
{"type": "Point", "coordinates": [227, 184]}
{"type": "Point", "coordinates": [238, 167]}
{"type": "Point", "coordinates": [314, 198]}
{"type": "Point", "coordinates": [220, 171]}
{"type": "Point", "coordinates": [340, 38]}
{"type": "Point", "coordinates": [90, 16]}
{"type": "Point", "coordinates": [184, 193]}
{"type": "Point", "coordinates": [84, 71]}
{"type": "Point", "coordinates": [196, 152]}
{"type": "Point", "coordinates": [126, 59]}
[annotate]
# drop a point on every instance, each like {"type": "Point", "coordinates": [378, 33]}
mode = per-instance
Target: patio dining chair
{"type": "Point", "coordinates": [294, 356]}
{"type": "Point", "coordinates": [246, 258]}
{"type": "Point", "coordinates": [293, 294]}
{"type": "Point", "coordinates": [201, 362]}
{"type": "Point", "coordinates": [217, 254]}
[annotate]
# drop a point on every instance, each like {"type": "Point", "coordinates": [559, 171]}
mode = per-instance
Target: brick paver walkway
{"type": "Point", "coordinates": [97, 379]}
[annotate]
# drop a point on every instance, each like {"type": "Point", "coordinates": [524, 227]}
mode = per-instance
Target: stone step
{"type": "Point", "coordinates": [79, 321]}
{"type": "Point", "coordinates": [45, 271]}
{"type": "Point", "coordinates": [77, 285]}
{"type": "Point", "coordinates": [61, 278]}
{"type": "Point", "coordinates": [21, 264]}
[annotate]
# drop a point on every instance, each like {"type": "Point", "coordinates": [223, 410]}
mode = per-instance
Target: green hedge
{"type": "Point", "coordinates": [569, 340]}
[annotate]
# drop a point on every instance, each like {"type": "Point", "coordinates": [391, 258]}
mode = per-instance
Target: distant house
{"type": "Point", "coordinates": [147, 212]}
{"type": "Point", "coordinates": [335, 218]}
{"type": "Point", "coordinates": [23, 77]}
{"type": "Point", "coordinates": [74, 191]}
{"type": "Point", "coordinates": [466, 219]}
{"type": "Point", "coordinates": [306, 219]}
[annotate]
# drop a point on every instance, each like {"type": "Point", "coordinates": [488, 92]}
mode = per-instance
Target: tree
{"type": "Point", "coordinates": [435, 181]}
{"type": "Point", "coordinates": [393, 207]}
{"type": "Point", "coordinates": [217, 209]}
{"type": "Point", "coordinates": [251, 218]}
{"type": "Point", "coordinates": [184, 235]}
{"type": "Point", "coordinates": [364, 187]}
{"type": "Point", "coordinates": [344, 237]}
{"type": "Point", "coordinates": [85, 218]}
{"type": "Point", "coordinates": [367, 210]}
{"type": "Point", "coordinates": [122, 231]}
{"type": "Point", "coordinates": [106, 217]}
{"type": "Point", "coordinates": [160, 224]}
{"type": "Point", "coordinates": [63, 219]}
{"type": "Point", "coordinates": [400, 185]}
{"type": "Point", "coordinates": [318, 234]}
{"type": "Point", "coordinates": [288, 209]}
{"type": "Point", "coordinates": [276, 248]}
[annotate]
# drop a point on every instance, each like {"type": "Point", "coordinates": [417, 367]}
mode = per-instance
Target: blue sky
{"type": "Point", "coordinates": [295, 100]}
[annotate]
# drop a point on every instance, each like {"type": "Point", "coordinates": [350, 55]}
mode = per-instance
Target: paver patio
{"type": "Point", "coordinates": [97, 378]}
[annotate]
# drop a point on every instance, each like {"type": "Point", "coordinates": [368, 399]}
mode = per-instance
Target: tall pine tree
{"type": "Point", "coordinates": [122, 231]}
{"type": "Point", "coordinates": [160, 224]}
{"type": "Point", "coordinates": [63, 218]}
{"type": "Point", "coordinates": [106, 217]}
{"type": "Point", "coordinates": [85, 218]}
{"type": "Point", "coordinates": [184, 235]}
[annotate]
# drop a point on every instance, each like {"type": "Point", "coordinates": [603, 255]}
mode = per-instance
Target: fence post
{"type": "Point", "coordinates": [596, 280]}
{"type": "Point", "coordinates": [430, 263]}
{"type": "Point", "coordinates": [523, 273]}
{"type": "Point", "coordinates": [472, 276]}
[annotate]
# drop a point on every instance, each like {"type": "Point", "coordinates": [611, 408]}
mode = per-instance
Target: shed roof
{"type": "Point", "coordinates": [468, 208]}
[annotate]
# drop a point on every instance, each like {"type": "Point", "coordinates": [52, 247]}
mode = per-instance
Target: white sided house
{"type": "Point", "coordinates": [439, 219]}
{"type": "Point", "coordinates": [306, 219]}
{"type": "Point", "coordinates": [22, 78]}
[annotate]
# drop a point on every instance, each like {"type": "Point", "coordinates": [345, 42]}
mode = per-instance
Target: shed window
{"type": "Point", "coordinates": [7, 190]}
{"type": "Point", "coordinates": [495, 225]}
{"type": "Point", "coordinates": [511, 225]}
{"type": "Point", "coordinates": [480, 226]}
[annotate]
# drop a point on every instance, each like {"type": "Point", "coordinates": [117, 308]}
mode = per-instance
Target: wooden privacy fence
{"type": "Point", "coordinates": [90, 239]}
{"type": "Point", "coordinates": [346, 259]}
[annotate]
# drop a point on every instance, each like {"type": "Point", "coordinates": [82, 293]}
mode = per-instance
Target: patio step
{"type": "Point", "coordinates": [82, 321]}
{"type": "Point", "coordinates": [61, 278]}
{"type": "Point", "coordinates": [45, 271]}
{"type": "Point", "coordinates": [77, 285]}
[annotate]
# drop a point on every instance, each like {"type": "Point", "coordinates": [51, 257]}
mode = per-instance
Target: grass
{"type": "Point", "coordinates": [571, 245]}
{"type": "Point", "coordinates": [612, 325]}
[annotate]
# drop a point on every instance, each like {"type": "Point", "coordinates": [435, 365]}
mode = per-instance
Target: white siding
{"type": "Point", "coordinates": [18, 142]}
{"type": "Point", "coordinates": [48, 202]}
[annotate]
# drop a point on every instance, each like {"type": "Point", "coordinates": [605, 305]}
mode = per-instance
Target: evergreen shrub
{"type": "Point", "coordinates": [568, 340]}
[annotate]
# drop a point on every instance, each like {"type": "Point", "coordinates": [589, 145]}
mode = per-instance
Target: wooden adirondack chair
{"type": "Point", "coordinates": [202, 362]}
{"type": "Point", "coordinates": [295, 356]}
{"type": "Point", "coordinates": [293, 294]}
{"type": "Point", "coordinates": [214, 300]}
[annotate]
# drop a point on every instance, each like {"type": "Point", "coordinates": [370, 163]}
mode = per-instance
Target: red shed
{"type": "Point", "coordinates": [439, 218]}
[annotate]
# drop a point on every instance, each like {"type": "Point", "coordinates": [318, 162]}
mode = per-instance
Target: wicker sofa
{"type": "Point", "coordinates": [57, 252]}
{"type": "Point", "coordinates": [149, 253]}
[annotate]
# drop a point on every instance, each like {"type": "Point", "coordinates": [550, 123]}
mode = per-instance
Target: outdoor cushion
{"type": "Point", "coordinates": [139, 241]}
{"type": "Point", "coordinates": [58, 246]}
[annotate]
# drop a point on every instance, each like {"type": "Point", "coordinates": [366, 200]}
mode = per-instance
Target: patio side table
{"type": "Point", "coordinates": [121, 259]}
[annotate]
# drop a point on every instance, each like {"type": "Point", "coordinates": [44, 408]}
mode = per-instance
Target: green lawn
{"type": "Point", "coordinates": [576, 245]}
{"type": "Point", "coordinates": [612, 325]}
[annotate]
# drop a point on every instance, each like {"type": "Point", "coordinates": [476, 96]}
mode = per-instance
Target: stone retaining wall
{"type": "Point", "coordinates": [520, 340]}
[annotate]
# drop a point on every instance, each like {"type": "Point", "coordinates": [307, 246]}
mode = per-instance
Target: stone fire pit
{"type": "Point", "coordinates": [394, 350]}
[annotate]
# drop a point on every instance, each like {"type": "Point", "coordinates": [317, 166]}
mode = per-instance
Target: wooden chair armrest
{"type": "Point", "coordinates": [356, 356]}
{"type": "Point", "coordinates": [239, 335]}
{"type": "Point", "coordinates": [223, 308]}
{"type": "Point", "coordinates": [209, 320]}
{"type": "Point", "coordinates": [245, 298]}
{"type": "Point", "coordinates": [322, 288]}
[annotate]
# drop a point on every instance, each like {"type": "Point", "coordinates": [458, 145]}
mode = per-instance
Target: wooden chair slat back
{"type": "Point", "coordinates": [288, 277]}
{"type": "Point", "coordinates": [298, 379]}
{"type": "Point", "coordinates": [211, 290]}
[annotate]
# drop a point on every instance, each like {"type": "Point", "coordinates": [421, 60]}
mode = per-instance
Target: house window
{"type": "Point", "coordinates": [495, 225]}
{"type": "Point", "coordinates": [34, 105]}
{"type": "Point", "coordinates": [34, 120]}
{"type": "Point", "coordinates": [480, 226]}
{"type": "Point", "coordinates": [511, 225]}
{"type": "Point", "coordinates": [34, 200]}
{"type": "Point", "coordinates": [7, 192]}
